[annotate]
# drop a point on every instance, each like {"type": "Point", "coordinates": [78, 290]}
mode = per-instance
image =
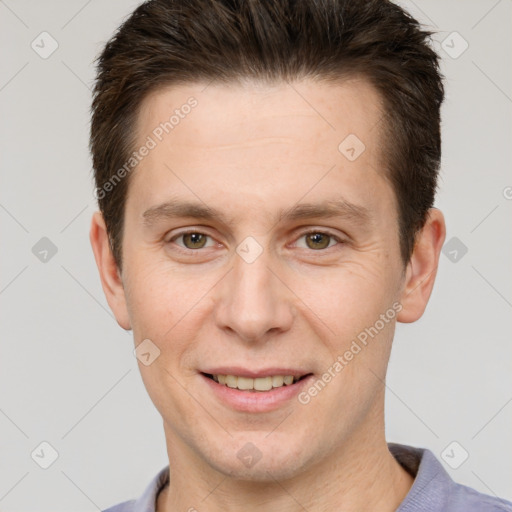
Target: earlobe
{"type": "Point", "coordinates": [109, 273]}
{"type": "Point", "coordinates": [422, 267]}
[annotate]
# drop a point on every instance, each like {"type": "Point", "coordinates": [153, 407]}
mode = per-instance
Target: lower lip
{"type": "Point", "coordinates": [256, 401]}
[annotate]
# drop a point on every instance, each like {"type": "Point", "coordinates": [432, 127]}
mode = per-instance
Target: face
{"type": "Point", "coordinates": [257, 247]}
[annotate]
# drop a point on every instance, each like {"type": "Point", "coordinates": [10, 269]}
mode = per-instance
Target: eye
{"type": "Point", "coordinates": [318, 240]}
{"type": "Point", "coordinates": [192, 240]}
{"type": "Point", "coordinates": [315, 240]}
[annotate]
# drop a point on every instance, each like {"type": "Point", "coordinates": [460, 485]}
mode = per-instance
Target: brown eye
{"type": "Point", "coordinates": [317, 240]}
{"type": "Point", "coordinates": [194, 240]}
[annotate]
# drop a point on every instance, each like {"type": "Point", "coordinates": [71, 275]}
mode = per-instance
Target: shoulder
{"type": "Point", "coordinates": [465, 499]}
{"type": "Point", "coordinates": [147, 501]}
{"type": "Point", "coordinates": [125, 506]}
{"type": "Point", "coordinates": [434, 490]}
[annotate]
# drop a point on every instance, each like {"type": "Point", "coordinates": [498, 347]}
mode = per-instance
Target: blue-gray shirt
{"type": "Point", "coordinates": [433, 489]}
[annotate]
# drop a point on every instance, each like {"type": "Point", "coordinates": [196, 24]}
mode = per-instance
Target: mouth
{"type": "Point", "coordinates": [255, 391]}
{"type": "Point", "coordinates": [256, 384]}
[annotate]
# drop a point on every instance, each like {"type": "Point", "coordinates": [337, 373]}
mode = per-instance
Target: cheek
{"type": "Point", "coordinates": [166, 307]}
{"type": "Point", "coordinates": [166, 310]}
{"type": "Point", "coordinates": [348, 298]}
{"type": "Point", "coordinates": [360, 315]}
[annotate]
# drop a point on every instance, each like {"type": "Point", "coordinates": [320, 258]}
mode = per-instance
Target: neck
{"type": "Point", "coordinates": [363, 477]}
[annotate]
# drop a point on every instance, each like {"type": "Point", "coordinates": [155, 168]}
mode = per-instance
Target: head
{"type": "Point", "coordinates": [265, 173]}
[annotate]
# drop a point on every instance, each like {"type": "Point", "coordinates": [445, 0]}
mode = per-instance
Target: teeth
{"type": "Point", "coordinates": [258, 384]}
{"type": "Point", "coordinates": [245, 383]}
{"type": "Point", "coordinates": [263, 383]}
{"type": "Point", "coordinates": [277, 381]}
{"type": "Point", "coordinates": [231, 381]}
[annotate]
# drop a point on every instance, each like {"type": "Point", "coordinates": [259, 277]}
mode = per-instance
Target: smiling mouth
{"type": "Point", "coordinates": [258, 384]}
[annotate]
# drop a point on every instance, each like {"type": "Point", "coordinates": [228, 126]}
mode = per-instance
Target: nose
{"type": "Point", "coordinates": [253, 301]}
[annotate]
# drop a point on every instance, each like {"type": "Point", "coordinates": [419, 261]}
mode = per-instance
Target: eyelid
{"type": "Point", "coordinates": [321, 231]}
{"type": "Point", "coordinates": [186, 232]}
{"type": "Point", "coordinates": [303, 233]}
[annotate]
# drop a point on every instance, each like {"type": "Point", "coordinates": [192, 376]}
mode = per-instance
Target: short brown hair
{"type": "Point", "coordinates": [166, 42]}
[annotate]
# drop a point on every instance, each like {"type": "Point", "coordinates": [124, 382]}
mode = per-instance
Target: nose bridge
{"type": "Point", "coordinates": [254, 302]}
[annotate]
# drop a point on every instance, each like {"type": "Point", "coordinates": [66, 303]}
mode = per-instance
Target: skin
{"type": "Point", "coordinates": [251, 151]}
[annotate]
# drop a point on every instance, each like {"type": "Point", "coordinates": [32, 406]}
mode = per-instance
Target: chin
{"type": "Point", "coordinates": [260, 460]}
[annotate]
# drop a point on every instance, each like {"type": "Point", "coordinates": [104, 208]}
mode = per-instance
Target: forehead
{"type": "Point", "coordinates": [239, 110]}
{"type": "Point", "coordinates": [266, 139]}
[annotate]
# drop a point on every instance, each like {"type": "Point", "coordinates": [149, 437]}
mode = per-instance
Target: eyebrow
{"type": "Point", "coordinates": [326, 209]}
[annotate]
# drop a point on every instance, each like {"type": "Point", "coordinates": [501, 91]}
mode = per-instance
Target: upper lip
{"type": "Point", "coordinates": [254, 374]}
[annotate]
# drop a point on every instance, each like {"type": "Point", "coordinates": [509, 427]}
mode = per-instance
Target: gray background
{"type": "Point", "coordinates": [67, 372]}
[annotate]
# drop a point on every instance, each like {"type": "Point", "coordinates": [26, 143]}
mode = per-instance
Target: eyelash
{"type": "Point", "coordinates": [305, 233]}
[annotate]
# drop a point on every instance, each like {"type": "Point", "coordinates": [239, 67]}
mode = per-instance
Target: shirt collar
{"type": "Point", "coordinates": [431, 481]}
{"type": "Point", "coordinates": [147, 501]}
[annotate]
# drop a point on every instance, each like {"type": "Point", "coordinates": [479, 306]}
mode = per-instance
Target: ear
{"type": "Point", "coordinates": [422, 268]}
{"type": "Point", "coordinates": [109, 273]}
